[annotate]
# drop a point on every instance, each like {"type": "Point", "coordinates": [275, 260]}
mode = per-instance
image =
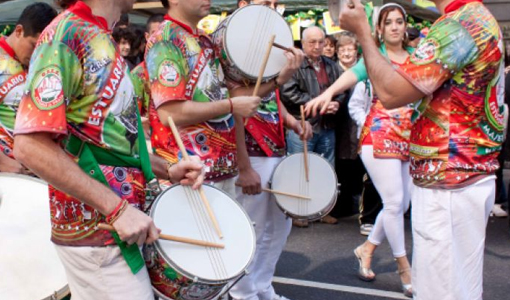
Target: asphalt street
{"type": "Point", "coordinates": [318, 263]}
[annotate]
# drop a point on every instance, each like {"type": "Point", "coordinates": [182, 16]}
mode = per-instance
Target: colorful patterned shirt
{"type": "Point", "coordinates": [182, 66]}
{"type": "Point", "coordinates": [78, 83]}
{"type": "Point", "coordinates": [12, 83]}
{"type": "Point", "coordinates": [142, 89]}
{"type": "Point", "coordinates": [457, 136]}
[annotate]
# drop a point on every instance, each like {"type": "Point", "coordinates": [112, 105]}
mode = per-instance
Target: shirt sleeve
{"type": "Point", "coordinates": [54, 78]}
{"type": "Point", "coordinates": [360, 70]}
{"type": "Point", "coordinates": [446, 50]}
{"type": "Point", "coordinates": [168, 73]}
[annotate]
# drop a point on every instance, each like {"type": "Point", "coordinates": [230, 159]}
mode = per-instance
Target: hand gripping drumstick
{"type": "Point", "coordinates": [262, 69]}
{"type": "Point", "coordinates": [173, 238]}
{"type": "Point", "coordinates": [305, 144]}
{"type": "Point", "coordinates": [185, 156]}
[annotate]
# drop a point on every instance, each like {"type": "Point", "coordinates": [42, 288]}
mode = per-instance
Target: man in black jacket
{"type": "Point", "coordinates": [314, 76]}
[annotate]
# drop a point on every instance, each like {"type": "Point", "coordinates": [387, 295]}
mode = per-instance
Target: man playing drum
{"type": "Point", "coordinates": [78, 129]}
{"type": "Point", "coordinates": [261, 147]}
{"type": "Point", "coordinates": [458, 68]}
{"type": "Point", "coordinates": [187, 84]}
{"type": "Point", "coordinates": [15, 53]}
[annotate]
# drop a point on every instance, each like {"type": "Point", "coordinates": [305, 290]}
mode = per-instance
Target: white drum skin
{"type": "Point", "coordinates": [322, 187]}
{"type": "Point", "coordinates": [186, 272]}
{"type": "Point", "coordinates": [29, 263]}
{"type": "Point", "coordinates": [241, 41]}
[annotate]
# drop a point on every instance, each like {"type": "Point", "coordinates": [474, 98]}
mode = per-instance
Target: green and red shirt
{"type": "Point", "coordinates": [142, 90]}
{"type": "Point", "coordinates": [78, 83]}
{"type": "Point", "coordinates": [182, 66]}
{"type": "Point", "coordinates": [12, 83]}
{"type": "Point", "coordinates": [459, 129]}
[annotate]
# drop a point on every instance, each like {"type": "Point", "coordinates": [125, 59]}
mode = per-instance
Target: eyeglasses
{"type": "Point", "coordinates": [346, 50]}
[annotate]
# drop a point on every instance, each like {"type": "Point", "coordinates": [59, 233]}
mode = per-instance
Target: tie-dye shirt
{"type": "Point", "coordinates": [459, 130]}
{"type": "Point", "coordinates": [182, 66]}
{"type": "Point", "coordinates": [78, 83]}
{"type": "Point", "coordinates": [12, 83]}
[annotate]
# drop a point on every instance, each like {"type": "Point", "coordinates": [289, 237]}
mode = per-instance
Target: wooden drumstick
{"type": "Point", "coordinates": [185, 156]}
{"type": "Point", "coordinates": [305, 144]}
{"type": "Point", "coordinates": [173, 238]}
{"type": "Point", "coordinates": [262, 69]}
{"type": "Point", "coordinates": [276, 45]}
{"type": "Point", "coordinates": [286, 194]}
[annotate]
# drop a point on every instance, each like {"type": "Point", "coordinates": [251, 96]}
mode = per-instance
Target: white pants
{"type": "Point", "coordinates": [227, 185]}
{"type": "Point", "coordinates": [449, 240]}
{"type": "Point", "coordinates": [392, 180]}
{"type": "Point", "coordinates": [102, 273]}
{"type": "Point", "coordinates": [272, 229]}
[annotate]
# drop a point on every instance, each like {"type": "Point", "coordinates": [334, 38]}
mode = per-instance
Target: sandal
{"type": "Point", "coordinates": [365, 274]}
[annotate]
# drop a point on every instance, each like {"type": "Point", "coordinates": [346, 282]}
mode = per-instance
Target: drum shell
{"type": "Point", "coordinates": [327, 171]}
{"type": "Point", "coordinates": [45, 278]}
{"type": "Point", "coordinates": [170, 281]}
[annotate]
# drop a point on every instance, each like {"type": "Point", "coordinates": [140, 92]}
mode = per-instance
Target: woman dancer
{"type": "Point", "coordinates": [384, 148]}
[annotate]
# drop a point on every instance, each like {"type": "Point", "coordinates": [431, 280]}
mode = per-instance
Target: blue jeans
{"type": "Point", "coordinates": [322, 143]}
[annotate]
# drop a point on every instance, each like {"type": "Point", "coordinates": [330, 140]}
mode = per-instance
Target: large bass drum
{"type": "Point", "coordinates": [241, 42]}
{"type": "Point", "coordinates": [321, 188]}
{"type": "Point", "coordinates": [187, 272]}
{"type": "Point", "coordinates": [30, 268]}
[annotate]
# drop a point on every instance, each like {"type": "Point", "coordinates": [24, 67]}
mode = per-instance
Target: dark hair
{"type": "Point", "coordinates": [157, 18]}
{"type": "Point", "coordinates": [35, 18]}
{"type": "Point", "coordinates": [65, 3]}
{"type": "Point", "coordinates": [120, 33]}
{"type": "Point", "coordinates": [331, 40]}
{"type": "Point", "coordinates": [412, 33]}
{"type": "Point", "coordinates": [383, 15]}
{"type": "Point", "coordinates": [123, 21]}
{"type": "Point", "coordinates": [165, 3]}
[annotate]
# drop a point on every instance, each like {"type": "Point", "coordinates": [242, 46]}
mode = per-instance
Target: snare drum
{"type": "Point", "coordinates": [187, 272]}
{"type": "Point", "coordinates": [322, 187]}
{"type": "Point", "coordinates": [29, 265]}
{"type": "Point", "coordinates": [241, 43]}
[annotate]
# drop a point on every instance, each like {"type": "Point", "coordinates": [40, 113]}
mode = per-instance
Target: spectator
{"type": "Point", "coordinates": [330, 48]}
{"type": "Point", "coordinates": [316, 74]}
{"type": "Point", "coordinates": [347, 49]}
{"type": "Point", "coordinates": [124, 38]}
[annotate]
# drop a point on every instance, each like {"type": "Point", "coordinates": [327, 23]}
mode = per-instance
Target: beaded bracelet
{"type": "Point", "coordinates": [117, 212]}
{"type": "Point", "coordinates": [168, 166]}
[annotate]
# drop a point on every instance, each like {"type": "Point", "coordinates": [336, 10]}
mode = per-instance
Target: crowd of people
{"type": "Point", "coordinates": [403, 122]}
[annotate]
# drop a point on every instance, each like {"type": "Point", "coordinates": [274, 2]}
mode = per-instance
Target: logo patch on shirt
{"type": "Point", "coordinates": [426, 52]}
{"type": "Point", "coordinates": [168, 74]}
{"type": "Point", "coordinates": [48, 92]}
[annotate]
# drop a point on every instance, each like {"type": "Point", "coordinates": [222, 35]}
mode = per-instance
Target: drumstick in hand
{"type": "Point", "coordinates": [262, 69]}
{"type": "Point", "coordinates": [185, 156]}
{"type": "Point", "coordinates": [305, 144]}
{"type": "Point", "coordinates": [173, 238]}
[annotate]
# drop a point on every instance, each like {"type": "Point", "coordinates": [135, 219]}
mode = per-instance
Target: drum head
{"type": "Point", "coordinates": [179, 211]}
{"type": "Point", "coordinates": [247, 36]}
{"type": "Point", "coordinates": [29, 264]}
{"type": "Point", "coordinates": [289, 177]}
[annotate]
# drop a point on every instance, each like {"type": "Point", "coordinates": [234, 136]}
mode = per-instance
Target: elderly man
{"type": "Point", "coordinates": [315, 75]}
{"type": "Point", "coordinates": [458, 71]}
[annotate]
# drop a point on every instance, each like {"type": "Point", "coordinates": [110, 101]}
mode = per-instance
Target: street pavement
{"type": "Point", "coordinates": [318, 264]}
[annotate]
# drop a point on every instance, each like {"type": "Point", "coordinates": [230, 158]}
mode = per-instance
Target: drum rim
{"type": "Point", "coordinates": [250, 77]}
{"type": "Point", "coordinates": [186, 273]}
{"type": "Point", "coordinates": [310, 217]}
{"type": "Point", "coordinates": [60, 294]}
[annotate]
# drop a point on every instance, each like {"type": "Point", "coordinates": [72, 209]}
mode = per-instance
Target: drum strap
{"type": "Point", "coordinates": [89, 159]}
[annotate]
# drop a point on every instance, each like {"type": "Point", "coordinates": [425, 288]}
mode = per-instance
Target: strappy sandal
{"type": "Point", "coordinates": [407, 289]}
{"type": "Point", "coordinates": [365, 274]}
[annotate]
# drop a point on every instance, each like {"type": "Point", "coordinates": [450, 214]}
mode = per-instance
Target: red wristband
{"type": "Point", "coordinates": [231, 105]}
{"type": "Point", "coordinates": [117, 212]}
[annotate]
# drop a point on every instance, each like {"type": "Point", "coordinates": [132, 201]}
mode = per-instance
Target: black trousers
{"type": "Point", "coordinates": [350, 177]}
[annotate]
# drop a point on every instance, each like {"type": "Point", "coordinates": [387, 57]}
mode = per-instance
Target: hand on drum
{"type": "Point", "coordinates": [249, 181]}
{"type": "Point", "coordinates": [320, 102]}
{"type": "Point", "coordinates": [294, 60]}
{"type": "Point", "coordinates": [134, 226]}
{"type": "Point", "coordinates": [188, 172]}
{"type": "Point", "coordinates": [245, 106]}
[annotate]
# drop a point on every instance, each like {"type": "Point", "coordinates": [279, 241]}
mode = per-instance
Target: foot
{"type": "Point", "coordinates": [300, 223]}
{"type": "Point", "coordinates": [329, 220]}
{"type": "Point", "coordinates": [498, 211]}
{"type": "Point", "coordinates": [364, 260]}
{"type": "Point", "coordinates": [405, 279]}
{"type": "Point", "coordinates": [365, 229]}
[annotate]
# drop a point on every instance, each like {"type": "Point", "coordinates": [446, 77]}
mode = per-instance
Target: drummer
{"type": "Point", "coordinates": [261, 146]}
{"type": "Point", "coordinates": [15, 53]}
{"type": "Point", "coordinates": [187, 84]}
{"type": "Point", "coordinates": [80, 107]}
